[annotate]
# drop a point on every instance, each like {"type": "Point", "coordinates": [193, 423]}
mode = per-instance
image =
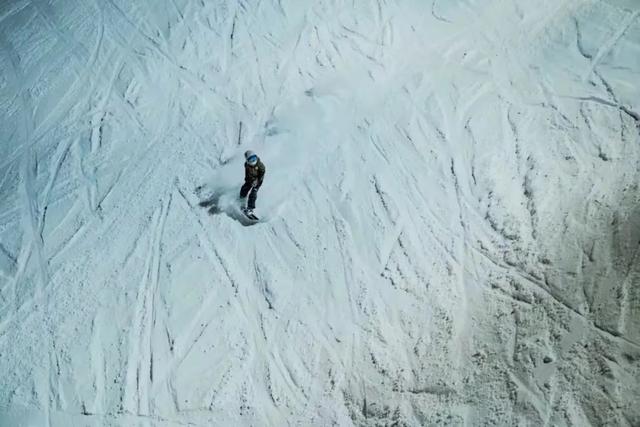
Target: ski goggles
{"type": "Point", "coordinates": [252, 159]}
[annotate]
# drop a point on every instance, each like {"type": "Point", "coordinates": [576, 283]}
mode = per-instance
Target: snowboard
{"type": "Point", "coordinates": [251, 216]}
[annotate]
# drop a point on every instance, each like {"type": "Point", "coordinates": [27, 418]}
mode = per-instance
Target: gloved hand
{"type": "Point", "coordinates": [256, 183]}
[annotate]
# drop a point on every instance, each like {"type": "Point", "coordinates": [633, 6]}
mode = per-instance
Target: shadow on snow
{"type": "Point", "coordinates": [214, 206]}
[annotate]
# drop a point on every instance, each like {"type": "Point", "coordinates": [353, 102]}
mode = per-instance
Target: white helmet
{"type": "Point", "coordinates": [251, 157]}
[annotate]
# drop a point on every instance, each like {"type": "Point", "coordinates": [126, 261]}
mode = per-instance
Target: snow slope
{"type": "Point", "coordinates": [451, 212]}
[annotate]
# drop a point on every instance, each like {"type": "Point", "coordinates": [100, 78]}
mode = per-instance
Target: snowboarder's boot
{"type": "Point", "coordinates": [249, 214]}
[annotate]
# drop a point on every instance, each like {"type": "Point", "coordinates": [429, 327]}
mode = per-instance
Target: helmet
{"type": "Point", "coordinates": [251, 157]}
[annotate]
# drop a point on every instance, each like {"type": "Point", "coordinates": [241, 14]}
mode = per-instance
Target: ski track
{"type": "Point", "coordinates": [611, 42]}
{"type": "Point", "coordinates": [45, 11]}
{"type": "Point", "coordinates": [98, 368]}
{"type": "Point", "coordinates": [137, 398]}
{"type": "Point", "coordinates": [380, 288]}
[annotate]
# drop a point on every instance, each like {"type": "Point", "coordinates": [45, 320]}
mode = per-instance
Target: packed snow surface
{"type": "Point", "coordinates": [450, 219]}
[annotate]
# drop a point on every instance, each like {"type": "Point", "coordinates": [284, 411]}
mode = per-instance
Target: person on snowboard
{"type": "Point", "coordinates": [253, 175]}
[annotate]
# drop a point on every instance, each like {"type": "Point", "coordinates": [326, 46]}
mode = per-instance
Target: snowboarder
{"type": "Point", "coordinates": [253, 175]}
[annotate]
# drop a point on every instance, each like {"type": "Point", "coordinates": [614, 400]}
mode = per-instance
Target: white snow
{"type": "Point", "coordinates": [451, 212]}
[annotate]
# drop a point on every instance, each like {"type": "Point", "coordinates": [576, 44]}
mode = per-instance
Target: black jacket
{"type": "Point", "coordinates": [254, 173]}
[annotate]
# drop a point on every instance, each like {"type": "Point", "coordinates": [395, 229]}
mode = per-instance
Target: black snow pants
{"type": "Point", "coordinates": [247, 188]}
